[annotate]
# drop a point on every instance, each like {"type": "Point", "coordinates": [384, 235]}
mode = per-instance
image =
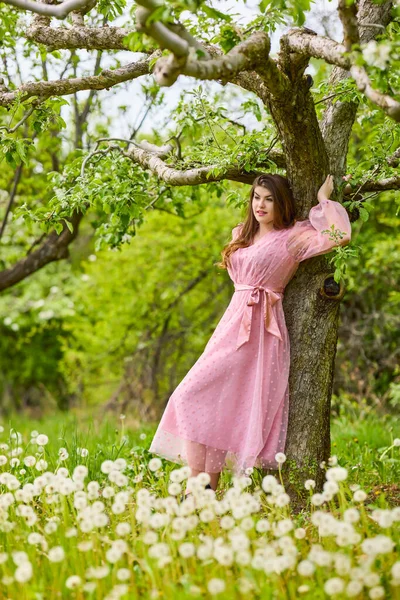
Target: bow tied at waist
{"type": "Point", "coordinates": [270, 297]}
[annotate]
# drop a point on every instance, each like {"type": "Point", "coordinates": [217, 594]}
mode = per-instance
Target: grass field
{"type": "Point", "coordinates": [87, 512]}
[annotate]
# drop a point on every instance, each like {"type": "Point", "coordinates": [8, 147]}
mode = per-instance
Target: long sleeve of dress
{"type": "Point", "coordinates": [306, 238]}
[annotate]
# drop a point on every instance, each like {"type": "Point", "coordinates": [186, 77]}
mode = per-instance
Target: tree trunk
{"type": "Point", "coordinates": [311, 315]}
{"type": "Point", "coordinates": [312, 321]}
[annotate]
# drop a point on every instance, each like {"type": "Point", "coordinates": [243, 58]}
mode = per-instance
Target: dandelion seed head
{"type": "Point", "coordinates": [56, 554]}
{"type": "Point", "coordinates": [123, 528]}
{"type": "Point", "coordinates": [334, 585]}
{"type": "Point", "coordinates": [24, 572]}
{"type": "Point", "coordinates": [187, 549]}
{"type": "Point", "coordinates": [42, 439]}
{"type": "Point", "coordinates": [303, 589]}
{"type": "Point", "coordinates": [317, 499]}
{"type": "Point", "coordinates": [377, 592]}
{"type": "Point", "coordinates": [351, 515]}
{"type": "Point", "coordinates": [269, 483]}
{"type": "Point", "coordinates": [380, 544]}
{"type": "Point", "coordinates": [354, 588]}
{"type": "Point", "coordinates": [155, 464]}
{"type": "Point", "coordinates": [305, 568]}
{"type": "Point", "coordinates": [280, 458]}
{"type": "Point", "coordinates": [73, 582]}
{"type": "Point", "coordinates": [359, 496]}
{"type": "Point", "coordinates": [336, 474]}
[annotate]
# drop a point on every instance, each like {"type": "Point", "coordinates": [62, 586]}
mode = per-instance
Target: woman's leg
{"type": "Point", "coordinates": [204, 459]}
{"type": "Point", "coordinates": [214, 480]}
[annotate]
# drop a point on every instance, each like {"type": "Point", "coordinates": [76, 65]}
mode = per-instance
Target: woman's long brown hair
{"type": "Point", "coordinates": [284, 213]}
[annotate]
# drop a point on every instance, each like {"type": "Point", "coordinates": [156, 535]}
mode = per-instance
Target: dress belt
{"type": "Point", "coordinates": [270, 297]}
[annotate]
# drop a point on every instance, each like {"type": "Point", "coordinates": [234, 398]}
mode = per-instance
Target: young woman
{"type": "Point", "coordinates": [231, 408]}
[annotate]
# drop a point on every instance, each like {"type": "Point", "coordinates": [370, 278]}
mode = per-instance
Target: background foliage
{"type": "Point", "coordinates": [122, 320]}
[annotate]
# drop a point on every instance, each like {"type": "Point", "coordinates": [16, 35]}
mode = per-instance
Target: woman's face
{"type": "Point", "coordinates": [263, 204]}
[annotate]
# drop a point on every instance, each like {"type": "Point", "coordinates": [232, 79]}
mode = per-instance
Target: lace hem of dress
{"type": "Point", "coordinates": [204, 458]}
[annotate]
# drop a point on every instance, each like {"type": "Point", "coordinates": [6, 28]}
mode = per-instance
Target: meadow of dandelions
{"type": "Point", "coordinates": [66, 534]}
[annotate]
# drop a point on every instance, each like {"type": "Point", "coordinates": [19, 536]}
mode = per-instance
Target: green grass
{"type": "Point", "coordinates": [358, 442]}
{"type": "Point", "coordinates": [124, 535]}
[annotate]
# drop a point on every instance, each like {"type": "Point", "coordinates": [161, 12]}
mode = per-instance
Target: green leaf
{"type": "Point", "coordinates": [69, 225]}
{"type": "Point", "coordinates": [213, 13]}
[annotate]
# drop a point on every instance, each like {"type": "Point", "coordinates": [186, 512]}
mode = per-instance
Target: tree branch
{"type": "Point", "coordinates": [394, 159]}
{"type": "Point", "coordinates": [379, 185]}
{"type": "Point", "coordinates": [348, 16]}
{"type": "Point", "coordinates": [388, 104]}
{"type": "Point", "coordinates": [338, 118]}
{"type": "Point", "coordinates": [59, 11]}
{"type": "Point", "coordinates": [85, 38]}
{"type": "Point", "coordinates": [246, 55]}
{"type": "Point", "coordinates": [195, 176]}
{"type": "Point", "coordinates": [54, 247]}
{"type": "Point", "coordinates": [332, 52]}
{"type": "Point", "coordinates": [22, 120]}
{"type": "Point", "coordinates": [317, 46]}
{"type": "Point", "coordinates": [178, 43]}
{"type": "Point", "coordinates": [62, 87]}
{"type": "Point", "coordinates": [13, 193]}
{"type": "Point", "coordinates": [159, 151]}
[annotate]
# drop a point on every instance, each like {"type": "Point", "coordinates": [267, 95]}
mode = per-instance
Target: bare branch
{"type": "Point", "coordinates": [379, 185]}
{"type": "Point", "coordinates": [54, 247]}
{"type": "Point", "coordinates": [62, 87]}
{"type": "Point", "coordinates": [317, 46]}
{"type": "Point", "coordinates": [394, 160]}
{"type": "Point", "coordinates": [60, 11]}
{"type": "Point", "coordinates": [330, 51]}
{"type": "Point", "coordinates": [86, 38]}
{"type": "Point", "coordinates": [95, 153]}
{"type": "Point", "coordinates": [21, 121]}
{"type": "Point", "coordinates": [338, 118]}
{"type": "Point", "coordinates": [246, 55]}
{"type": "Point", "coordinates": [348, 16]}
{"type": "Point", "coordinates": [163, 36]}
{"type": "Point", "coordinates": [172, 36]}
{"type": "Point", "coordinates": [195, 176]}
{"type": "Point", "coordinates": [13, 193]}
{"type": "Point", "coordinates": [390, 106]}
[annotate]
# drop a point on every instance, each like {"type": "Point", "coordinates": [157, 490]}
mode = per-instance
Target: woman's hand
{"type": "Point", "coordinates": [326, 188]}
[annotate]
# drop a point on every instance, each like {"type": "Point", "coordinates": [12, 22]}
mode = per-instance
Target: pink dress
{"type": "Point", "coordinates": [231, 409]}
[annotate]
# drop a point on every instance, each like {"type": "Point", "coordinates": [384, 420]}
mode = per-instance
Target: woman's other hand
{"type": "Point", "coordinates": [326, 188]}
